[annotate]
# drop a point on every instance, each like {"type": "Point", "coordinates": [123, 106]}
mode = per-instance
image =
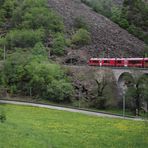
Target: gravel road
{"type": "Point", "coordinates": [69, 110]}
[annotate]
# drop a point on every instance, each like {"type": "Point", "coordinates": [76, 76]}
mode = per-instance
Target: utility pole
{"type": "Point", "coordinates": [79, 97]}
{"type": "Point", "coordinates": [123, 105]}
{"type": "Point", "coordinates": [30, 91]}
{"type": "Point", "coordinates": [124, 91]}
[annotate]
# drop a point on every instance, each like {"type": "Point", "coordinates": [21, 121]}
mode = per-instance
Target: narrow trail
{"type": "Point", "coordinates": [69, 110]}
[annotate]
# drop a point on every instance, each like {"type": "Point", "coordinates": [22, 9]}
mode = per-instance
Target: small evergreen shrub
{"type": "Point", "coordinates": [81, 37]}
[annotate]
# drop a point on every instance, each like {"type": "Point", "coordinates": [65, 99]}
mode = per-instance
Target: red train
{"type": "Point", "coordinates": [119, 62]}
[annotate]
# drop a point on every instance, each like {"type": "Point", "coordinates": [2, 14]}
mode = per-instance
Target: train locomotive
{"type": "Point", "coordinates": [119, 62]}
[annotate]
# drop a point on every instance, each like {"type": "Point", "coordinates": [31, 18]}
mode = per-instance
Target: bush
{"type": "Point", "coordinates": [80, 23]}
{"type": "Point", "coordinates": [2, 117]}
{"type": "Point", "coordinates": [58, 44]}
{"type": "Point", "coordinates": [123, 23]}
{"type": "Point", "coordinates": [8, 7]}
{"type": "Point", "coordinates": [81, 37]}
{"type": "Point", "coordinates": [136, 31]}
{"type": "Point", "coordinates": [40, 50]}
{"type": "Point", "coordinates": [23, 72]}
{"type": "Point", "coordinates": [144, 52]}
{"type": "Point", "coordinates": [48, 81]}
{"type": "Point", "coordinates": [146, 38]}
{"type": "Point", "coordinates": [1, 53]}
{"type": "Point", "coordinates": [116, 14]}
{"type": "Point", "coordinates": [38, 17]}
{"type": "Point", "coordinates": [24, 38]}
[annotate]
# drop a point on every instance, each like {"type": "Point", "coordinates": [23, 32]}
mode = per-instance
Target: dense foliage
{"type": "Point", "coordinates": [136, 93]}
{"type": "Point", "coordinates": [81, 37]}
{"type": "Point", "coordinates": [23, 38]}
{"type": "Point", "coordinates": [26, 27]}
{"type": "Point", "coordinates": [132, 16]}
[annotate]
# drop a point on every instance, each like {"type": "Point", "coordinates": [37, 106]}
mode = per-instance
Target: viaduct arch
{"type": "Point", "coordinates": [120, 73]}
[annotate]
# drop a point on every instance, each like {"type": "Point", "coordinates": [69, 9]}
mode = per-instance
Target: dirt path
{"type": "Point", "coordinates": [69, 110]}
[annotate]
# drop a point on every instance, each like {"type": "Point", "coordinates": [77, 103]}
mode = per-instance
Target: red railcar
{"type": "Point", "coordinates": [135, 62]}
{"type": "Point", "coordinates": [145, 62]}
{"type": "Point", "coordinates": [119, 62]}
{"type": "Point", "coordinates": [108, 62]}
{"type": "Point", "coordinates": [94, 62]}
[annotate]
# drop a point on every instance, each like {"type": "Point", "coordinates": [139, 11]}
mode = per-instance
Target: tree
{"type": "Point", "coordinates": [81, 23]}
{"type": "Point", "coordinates": [136, 92]}
{"type": "Point", "coordinates": [58, 44]}
{"type": "Point", "coordinates": [24, 71]}
{"type": "Point", "coordinates": [81, 37]}
{"type": "Point", "coordinates": [103, 79]}
{"type": "Point", "coordinates": [24, 38]}
{"type": "Point", "coordinates": [116, 14]}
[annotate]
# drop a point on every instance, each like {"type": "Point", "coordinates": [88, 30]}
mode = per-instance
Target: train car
{"type": "Point", "coordinates": [145, 62]}
{"type": "Point", "coordinates": [121, 62]}
{"type": "Point", "coordinates": [94, 62]}
{"type": "Point", "coordinates": [111, 62]}
{"type": "Point", "coordinates": [135, 62]}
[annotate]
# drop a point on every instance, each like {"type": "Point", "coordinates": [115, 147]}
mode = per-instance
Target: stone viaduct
{"type": "Point", "coordinates": [118, 72]}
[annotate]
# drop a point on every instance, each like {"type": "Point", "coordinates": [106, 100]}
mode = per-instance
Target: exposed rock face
{"type": "Point", "coordinates": [92, 83]}
{"type": "Point", "coordinates": [106, 35]}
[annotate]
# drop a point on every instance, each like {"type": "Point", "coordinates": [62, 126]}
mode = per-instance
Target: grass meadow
{"type": "Point", "coordinates": [33, 127]}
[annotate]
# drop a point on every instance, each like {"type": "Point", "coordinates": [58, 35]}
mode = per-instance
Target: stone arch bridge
{"type": "Point", "coordinates": [118, 72]}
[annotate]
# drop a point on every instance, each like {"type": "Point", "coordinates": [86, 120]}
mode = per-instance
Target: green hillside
{"type": "Point", "coordinates": [26, 30]}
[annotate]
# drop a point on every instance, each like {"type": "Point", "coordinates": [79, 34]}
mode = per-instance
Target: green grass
{"type": "Point", "coordinates": [72, 105]}
{"type": "Point", "coordinates": [33, 127]}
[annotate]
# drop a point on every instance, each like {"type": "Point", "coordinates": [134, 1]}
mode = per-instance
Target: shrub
{"type": "Point", "coordinates": [23, 72]}
{"type": "Point", "coordinates": [80, 23]}
{"type": "Point", "coordinates": [81, 37]}
{"type": "Point", "coordinates": [116, 14]}
{"type": "Point", "coordinates": [1, 53]}
{"type": "Point", "coordinates": [8, 7]}
{"type": "Point", "coordinates": [123, 23]}
{"type": "Point", "coordinates": [38, 17]}
{"type": "Point", "coordinates": [48, 81]}
{"type": "Point", "coordinates": [2, 117]}
{"type": "Point", "coordinates": [58, 44]}
{"type": "Point", "coordinates": [24, 38]}
{"type": "Point", "coordinates": [39, 49]}
{"type": "Point", "coordinates": [136, 31]}
{"type": "Point", "coordinates": [144, 52]}
{"type": "Point", "coordinates": [146, 38]}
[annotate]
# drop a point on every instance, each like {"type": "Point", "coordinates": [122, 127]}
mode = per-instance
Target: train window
{"type": "Point", "coordinates": [95, 61]}
{"type": "Point", "coordinates": [146, 61]}
{"type": "Point", "coordinates": [119, 62]}
{"type": "Point", "coordinates": [134, 62]}
{"type": "Point", "coordinates": [106, 61]}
